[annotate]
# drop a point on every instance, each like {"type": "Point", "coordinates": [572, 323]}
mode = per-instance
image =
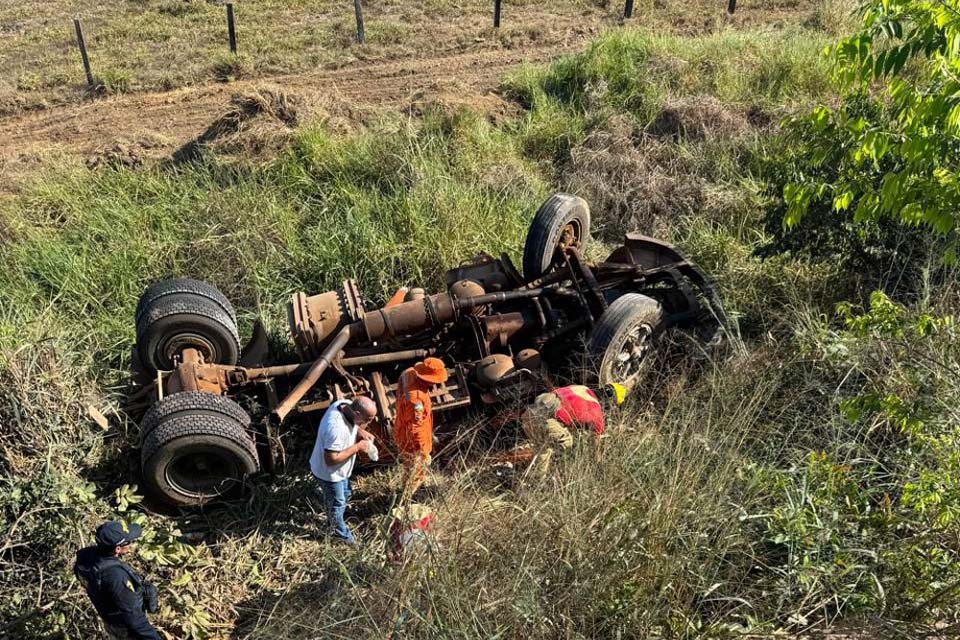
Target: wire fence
{"type": "Point", "coordinates": [358, 14]}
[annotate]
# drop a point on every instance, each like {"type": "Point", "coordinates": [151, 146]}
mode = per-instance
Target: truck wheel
{"type": "Point", "coordinates": [622, 339]}
{"type": "Point", "coordinates": [562, 221]}
{"type": "Point", "coordinates": [191, 402]}
{"type": "Point", "coordinates": [176, 314]}
{"type": "Point", "coordinates": [173, 286]}
{"type": "Point", "coordinates": [198, 450]}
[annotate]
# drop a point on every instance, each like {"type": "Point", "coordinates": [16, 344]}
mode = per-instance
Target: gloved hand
{"type": "Point", "coordinates": [372, 452]}
{"type": "Point", "coordinates": [151, 601]}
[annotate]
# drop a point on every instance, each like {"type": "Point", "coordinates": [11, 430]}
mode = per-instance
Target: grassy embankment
{"type": "Point", "coordinates": [158, 45]}
{"type": "Point", "coordinates": [737, 498]}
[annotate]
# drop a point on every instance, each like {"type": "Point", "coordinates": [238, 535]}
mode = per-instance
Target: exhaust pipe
{"type": "Point", "coordinates": [391, 321]}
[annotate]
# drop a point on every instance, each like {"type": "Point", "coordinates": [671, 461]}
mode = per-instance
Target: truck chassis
{"type": "Point", "coordinates": [497, 329]}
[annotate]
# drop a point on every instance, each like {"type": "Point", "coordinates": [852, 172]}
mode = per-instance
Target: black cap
{"type": "Point", "coordinates": [117, 534]}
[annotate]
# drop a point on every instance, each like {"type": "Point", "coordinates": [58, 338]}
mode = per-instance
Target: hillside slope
{"type": "Point", "coordinates": [735, 495]}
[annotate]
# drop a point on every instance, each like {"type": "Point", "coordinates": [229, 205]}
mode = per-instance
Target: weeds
{"type": "Point", "coordinates": [230, 67]}
{"type": "Point", "coordinates": [114, 81]}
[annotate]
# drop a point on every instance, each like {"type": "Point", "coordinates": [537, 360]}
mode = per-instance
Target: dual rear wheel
{"type": "Point", "coordinates": [180, 313]}
{"type": "Point", "coordinates": [195, 446]}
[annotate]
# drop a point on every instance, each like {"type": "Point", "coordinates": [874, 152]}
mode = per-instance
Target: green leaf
{"type": "Point", "coordinates": [842, 201]}
{"type": "Point", "coordinates": [950, 255]}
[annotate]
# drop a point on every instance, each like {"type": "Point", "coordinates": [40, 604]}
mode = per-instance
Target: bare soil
{"type": "Point", "coordinates": [162, 122]}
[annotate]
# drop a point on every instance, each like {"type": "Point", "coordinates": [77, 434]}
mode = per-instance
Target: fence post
{"type": "Point", "coordinates": [628, 9]}
{"type": "Point", "coordinates": [731, 6]}
{"type": "Point", "coordinates": [496, 14]}
{"type": "Point", "coordinates": [231, 28]}
{"type": "Point", "coordinates": [359, 11]}
{"type": "Point", "coordinates": [83, 50]}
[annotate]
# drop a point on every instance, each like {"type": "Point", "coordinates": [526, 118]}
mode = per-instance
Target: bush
{"type": "Point", "coordinates": [885, 252]}
{"type": "Point", "coordinates": [869, 525]}
{"type": "Point", "coordinates": [889, 156]}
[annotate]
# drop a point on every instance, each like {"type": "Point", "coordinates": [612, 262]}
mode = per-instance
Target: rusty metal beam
{"type": "Point", "coordinates": [261, 373]}
{"type": "Point", "coordinates": [316, 370]}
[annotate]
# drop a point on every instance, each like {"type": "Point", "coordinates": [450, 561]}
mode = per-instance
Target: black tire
{"type": "Point", "coordinates": [630, 323]}
{"type": "Point", "coordinates": [192, 457]}
{"type": "Point", "coordinates": [173, 321]}
{"type": "Point", "coordinates": [559, 213]}
{"type": "Point", "coordinates": [191, 402]}
{"type": "Point", "coordinates": [173, 286]}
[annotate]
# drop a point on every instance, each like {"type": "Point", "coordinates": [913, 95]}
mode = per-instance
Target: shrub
{"type": "Point", "coordinates": [869, 525]}
{"type": "Point", "coordinates": [892, 156]}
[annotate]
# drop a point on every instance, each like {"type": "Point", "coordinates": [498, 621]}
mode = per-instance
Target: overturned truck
{"type": "Point", "coordinates": [496, 328]}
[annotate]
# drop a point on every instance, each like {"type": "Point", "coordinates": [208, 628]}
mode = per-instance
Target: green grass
{"type": "Point", "coordinates": [706, 516]}
{"type": "Point", "coordinates": [383, 208]}
{"type": "Point", "coordinates": [634, 72]}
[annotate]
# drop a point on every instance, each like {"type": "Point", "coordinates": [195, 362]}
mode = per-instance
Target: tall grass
{"type": "Point", "coordinates": [626, 547]}
{"type": "Point", "coordinates": [635, 71]}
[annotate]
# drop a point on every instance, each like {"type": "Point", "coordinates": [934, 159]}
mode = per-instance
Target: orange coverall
{"type": "Point", "coordinates": [413, 428]}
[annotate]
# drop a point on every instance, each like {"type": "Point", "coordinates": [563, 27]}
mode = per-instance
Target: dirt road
{"type": "Point", "coordinates": [170, 119]}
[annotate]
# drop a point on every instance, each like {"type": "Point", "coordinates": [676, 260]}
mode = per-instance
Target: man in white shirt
{"type": "Point", "coordinates": [335, 452]}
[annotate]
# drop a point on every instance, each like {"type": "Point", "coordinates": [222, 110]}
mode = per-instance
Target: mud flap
{"type": "Point", "coordinates": [256, 352]}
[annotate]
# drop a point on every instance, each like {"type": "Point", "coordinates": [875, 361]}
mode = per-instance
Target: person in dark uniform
{"type": "Point", "coordinates": [117, 592]}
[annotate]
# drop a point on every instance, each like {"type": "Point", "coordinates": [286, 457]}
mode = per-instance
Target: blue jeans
{"type": "Point", "coordinates": [336, 495]}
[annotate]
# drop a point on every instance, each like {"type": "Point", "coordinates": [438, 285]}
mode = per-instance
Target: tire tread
{"type": "Point", "coordinates": [171, 286]}
{"type": "Point", "coordinates": [191, 401]}
{"type": "Point", "coordinates": [186, 304]}
{"type": "Point", "coordinates": [620, 311]}
{"type": "Point", "coordinates": [544, 225]}
{"type": "Point", "coordinates": [197, 424]}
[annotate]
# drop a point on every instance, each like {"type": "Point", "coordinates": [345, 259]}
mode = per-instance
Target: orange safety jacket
{"type": "Point", "coordinates": [413, 426]}
{"type": "Point", "coordinates": [579, 406]}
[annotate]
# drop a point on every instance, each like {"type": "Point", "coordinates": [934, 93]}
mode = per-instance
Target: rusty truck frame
{"type": "Point", "coordinates": [496, 329]}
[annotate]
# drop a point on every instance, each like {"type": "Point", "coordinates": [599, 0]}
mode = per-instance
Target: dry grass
{"type": "Point", "coordinates": [834, 16]}
{"type": "Point", "coordinates": [586, 551]}
{"type": "Point", "coordinates": [698, 118]}
{"type": "Point", "coordinates": [649, 177]}
{"type": "Point", "coordinates": [635, 180]}
{"type": "Point", "coordinates": [257, 123]}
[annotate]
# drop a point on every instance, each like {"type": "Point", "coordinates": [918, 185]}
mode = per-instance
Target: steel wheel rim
{"type": "Point", "coordinates": [202, 473]}
{"type": "Point", "coordinates": [629, 362]}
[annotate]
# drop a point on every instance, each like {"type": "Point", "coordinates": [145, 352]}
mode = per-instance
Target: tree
{"type": "Point", "coordinates": [891, 149]}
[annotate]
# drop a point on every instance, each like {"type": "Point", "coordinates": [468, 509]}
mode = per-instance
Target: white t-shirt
{"type": "Point", "coordinates": [334, 434]}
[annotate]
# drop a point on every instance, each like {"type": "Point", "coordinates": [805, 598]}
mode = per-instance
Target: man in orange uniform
{"type": "Point", "coordinates": [413, 427]}
{"type": "Point", "coordinates": [550, 421]}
